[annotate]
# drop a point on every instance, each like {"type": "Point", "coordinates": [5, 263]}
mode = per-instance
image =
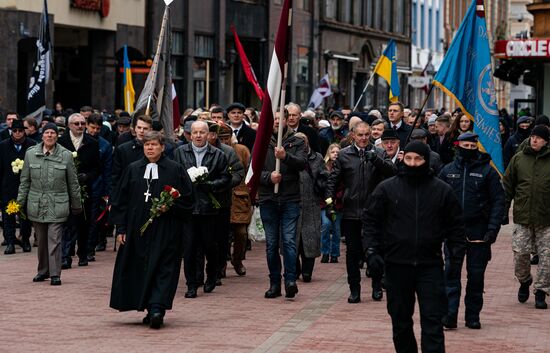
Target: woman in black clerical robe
{"type": "Point", "coordinates": [147, 266]}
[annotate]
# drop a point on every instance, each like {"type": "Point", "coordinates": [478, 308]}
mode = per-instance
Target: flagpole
{"type": "Point", "coordinates": [363, 93]}
{"type": "Point", "coordinates": [207, 99]}
{"type": "Point", "coordinates": [157, 55]}
{"type": "Point", "coordinates": [280, 129]}
{"type": "Point", "coordinates": [418, 115]}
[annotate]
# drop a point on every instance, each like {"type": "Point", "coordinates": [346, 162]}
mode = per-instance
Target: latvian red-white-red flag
{"type": "Point", "coordinates": [270, 102]}
{"type": "Point", "coordinates": [175, 107]}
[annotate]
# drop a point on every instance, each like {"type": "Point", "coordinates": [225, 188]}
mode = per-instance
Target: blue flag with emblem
{"type": "Point", "coordinates": [466, 76]}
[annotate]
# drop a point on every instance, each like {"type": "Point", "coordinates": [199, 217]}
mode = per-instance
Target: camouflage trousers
{"type": "Point", "coordinates": [527, 240]}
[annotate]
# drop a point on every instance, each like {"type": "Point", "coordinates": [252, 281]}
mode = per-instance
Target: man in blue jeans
{"type": "Point", "coordinates": [280, 211]}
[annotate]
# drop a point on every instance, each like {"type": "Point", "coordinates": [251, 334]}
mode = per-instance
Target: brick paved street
{"type": "Point", "coordinates": [75, 317]}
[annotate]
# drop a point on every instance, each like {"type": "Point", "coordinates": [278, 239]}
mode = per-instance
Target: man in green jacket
{"type": "Point", "coordinates": [527, 182]}
{"type": "Point", "coordinates": [48, 191]}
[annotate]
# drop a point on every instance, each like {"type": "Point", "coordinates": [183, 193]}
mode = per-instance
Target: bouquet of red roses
{"type": "Point", "coordinates": [160, 205]}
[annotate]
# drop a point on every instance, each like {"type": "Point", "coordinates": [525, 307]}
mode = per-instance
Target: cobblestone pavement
{"type": "Point", "coordinates": [75, 317]}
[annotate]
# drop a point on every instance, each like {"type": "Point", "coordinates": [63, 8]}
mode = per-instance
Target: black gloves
{"type": "Point", "coordinates": [490, 237]}
{"type": "Point", "coordinates": [375, 263]}
{"type": "Point", "coordinates": [206, 187]}
{"type": "Point", "coordinates": [370, 156]}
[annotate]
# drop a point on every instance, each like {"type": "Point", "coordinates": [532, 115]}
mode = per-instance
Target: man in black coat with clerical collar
{"type": "Point", "coordinates": [12, 149]}
{"type": "Point", "coordinates": [148, 263]}
{"type": "Point", "coordinates": [85, 151]}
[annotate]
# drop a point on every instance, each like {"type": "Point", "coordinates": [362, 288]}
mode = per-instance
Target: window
{"type": "Point", "coordinates": [388, 15]}
{"type": "Point", "coordinates": [302, 71]}
{"type": "Point", "coordinates": [399, 25]}
{"type": "Point", "coordinates": [367, 13]}
{"type": "Point", "coordinates": [344, 11]}
{"type": "Point", "coordinates": [204, 46]}
{"type": "Point", "coordinates": [330, 9]}
{"type": "Point", "coordinates": [178, 63]}
{"type": "Point", "coordinates": [415, 30]}
{"type": "Point", "coordinates": [438, 30]}
{"type": "Point", "coordinates": [303, 5]}
{"type": "Point", "coordinates": [377, 23]}
{"type": "Point", "coordinates": [356, 12]}
{"type": "Point", "coordinates": [421, 30]}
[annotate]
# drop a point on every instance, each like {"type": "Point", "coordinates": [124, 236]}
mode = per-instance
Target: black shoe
{"type": "Point", "coordinates": [535, 260]}
{"type": "Point", "coordinates": [146, 320]}
{"type": "Point", "coordinates": [324, 259]}
{"type": "Point", "coordinates": [377, 293]}
{"type": "Point", "coordinates": [65, 265]}
{"type": "Point", "coordinates": [157, 319]}
{"type": "Point", "coordinates": [291, 289]}
{"type": "Point", "coordinates": [90, 258]}
{"type": "Point", "coordinates": [240, 269]}
{"type": "Point", "coordinates": [523, 292]}
{"type": "Point", "coordinates": [540, 300]}
{"type": "Point", "coordinates": [40, 278]}
{"type": "Point", "coordinates": [274, 291]}
{"type": "Point", "coordinates": [334, 259]}
{"type": "Point", "coordinates": [10, 249]}
{"type": "Point", "coordinates": [209, 286]}
{"type": "Point", "coordinates": [55, 281]}
{"type": "Point", "coordinates": [474, 325]}
{"type": "Point", "coordinates": [26, 245]}
{"type": "Point", "coordinates": [83, 262]}
{"type": "Point", "coordinates": [101, 247]}
{"type": "Point", "coordinates": [306, 278]}
{"type": "Point", "coordinates": [355, 295]}
{"type": "Point", "coordinates": [191, 293]}
{"type": "Point", "coordinates": [450, 322]}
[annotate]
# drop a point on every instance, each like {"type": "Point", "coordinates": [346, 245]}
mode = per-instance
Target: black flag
{"type": "Point", "coordinates": [36, 96]}
{"type": "Point", "coordinates": [155, 99]}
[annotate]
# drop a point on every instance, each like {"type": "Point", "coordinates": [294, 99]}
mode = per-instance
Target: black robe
{"type": "Point", "coordinates": [147, 267]}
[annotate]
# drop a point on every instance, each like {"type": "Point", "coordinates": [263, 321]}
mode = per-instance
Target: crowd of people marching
{"type": "Point", "coordinates": [409, 192]}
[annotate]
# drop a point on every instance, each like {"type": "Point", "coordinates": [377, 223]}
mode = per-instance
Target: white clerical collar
{"type": "Point", "coordinates": [151, 171]}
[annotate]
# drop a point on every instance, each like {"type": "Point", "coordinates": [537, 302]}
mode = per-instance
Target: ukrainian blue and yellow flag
{"type": "Point", "coordinates": [129, 93]}
{"type": "Point", "coordinates": [387, 69]}
{"type": "Point", "coordinates": [466, 76]}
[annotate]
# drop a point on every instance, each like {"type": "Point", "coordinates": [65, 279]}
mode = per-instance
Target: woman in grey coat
{"type": "Point", "coordinates": [308, 242]}
{"type": "Point", "coordinates": [48, 191]}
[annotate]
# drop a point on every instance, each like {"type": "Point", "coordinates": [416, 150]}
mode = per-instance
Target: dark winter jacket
{"type": "Point", "coordinates": [123, 155]}
{"type": "Point", "coordinates": [407, 219]}
{"type": "Point", "coordinates": [218, 176]}
{"type": "Point", "coordinates": [527, 182]}
{"type": "Point", "coordinates": [9, 181]}
{"type": "Point", "coordinates": [359, 177]}
{"type": "Point", "coordinates": [511, 146]}
{"type": "Point", "coordinates": [478, 189]}
{"type": "Point", "coordinates": [291, 166]}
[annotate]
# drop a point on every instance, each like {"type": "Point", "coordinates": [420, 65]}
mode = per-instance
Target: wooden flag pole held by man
{"type": "Point", "coordinates": [276, 82]}
{"type": "Point", "coordinates": [154, 69]}
{"type": "Point", "coordinates": [280, 127]}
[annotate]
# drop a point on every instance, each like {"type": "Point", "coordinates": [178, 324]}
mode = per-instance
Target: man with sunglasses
{"type": "Point", "coordinates": [88, 167]}
{"type": "Point", "coordinates": [11, 149]}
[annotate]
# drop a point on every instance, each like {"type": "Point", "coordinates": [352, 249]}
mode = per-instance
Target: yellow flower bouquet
{"type": "Point", "coordinates": [15, 208]}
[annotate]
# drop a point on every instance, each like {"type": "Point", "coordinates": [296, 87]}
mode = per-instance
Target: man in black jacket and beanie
{"type": "Point", "coordinates": [407, 219]}
{"type": "Point", "coordinates": [477, 186]}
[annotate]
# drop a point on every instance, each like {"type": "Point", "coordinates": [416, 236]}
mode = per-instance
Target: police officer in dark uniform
{"type": "Point", "coordinates": [477, 186]}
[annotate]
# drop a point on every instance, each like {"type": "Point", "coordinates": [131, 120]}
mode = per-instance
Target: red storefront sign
{"type": "Point", "coordinates": [101, 6]}
{"type": "Point", "coordinates": [522, 48]}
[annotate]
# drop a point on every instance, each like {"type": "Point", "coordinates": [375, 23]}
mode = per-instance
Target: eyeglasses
{"type": "Point", "coordinates": [17, 130]}
{"type": "Point", "coordinates": [79, 123]}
